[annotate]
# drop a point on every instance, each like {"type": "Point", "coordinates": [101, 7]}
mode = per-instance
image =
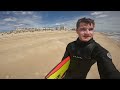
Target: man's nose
{"type": "Point", "coordinates": [87, 31]}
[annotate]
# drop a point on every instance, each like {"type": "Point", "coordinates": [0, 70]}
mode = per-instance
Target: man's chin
{"type": "Point", "coordinates": [85, 40]}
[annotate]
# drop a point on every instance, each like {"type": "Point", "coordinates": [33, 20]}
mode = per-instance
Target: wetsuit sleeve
{"type": "Point", "coordinates": [106, 68]}
{"type": "Point", "coordinates": [66, 54]}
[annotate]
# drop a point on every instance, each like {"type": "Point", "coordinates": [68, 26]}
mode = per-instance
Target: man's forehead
{"type": "Point", "coordinates": [86, 24]}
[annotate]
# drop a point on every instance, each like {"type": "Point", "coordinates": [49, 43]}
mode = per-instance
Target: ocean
{"type": "Point", "coordinates": [113, 35]}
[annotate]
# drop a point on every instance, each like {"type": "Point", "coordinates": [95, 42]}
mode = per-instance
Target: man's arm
{"type": "Point", "coordinates": [66, 54]}
{"type": "Point", "coordinates": [106, 68]}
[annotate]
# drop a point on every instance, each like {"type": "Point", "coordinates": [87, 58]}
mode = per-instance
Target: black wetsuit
{"type": "Point", "coordinates": [83, 55]}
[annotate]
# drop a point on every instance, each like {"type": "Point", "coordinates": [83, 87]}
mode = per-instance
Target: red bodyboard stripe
{"type": "Point", "coordinates": [58, 66]}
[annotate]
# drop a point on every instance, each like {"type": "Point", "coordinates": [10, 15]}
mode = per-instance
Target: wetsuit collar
{"type": "Point", "coordinates": [81, 43]}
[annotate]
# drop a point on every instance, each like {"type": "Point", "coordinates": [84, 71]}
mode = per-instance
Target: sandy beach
{"type": "Point", "coordinates": [32, 55]}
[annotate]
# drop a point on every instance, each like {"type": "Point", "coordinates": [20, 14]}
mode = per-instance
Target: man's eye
{"type": "Point", "coordinates": [82, 29]}
{"type": "Point", "coordinates": [91, 29]}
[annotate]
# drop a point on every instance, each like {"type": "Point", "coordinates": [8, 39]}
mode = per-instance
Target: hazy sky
{"type": "Point", "coordinates": [105, 20]}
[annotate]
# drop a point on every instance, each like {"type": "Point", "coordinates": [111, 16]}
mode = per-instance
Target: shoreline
{"type": "Point", "coordinates": [113, 40]}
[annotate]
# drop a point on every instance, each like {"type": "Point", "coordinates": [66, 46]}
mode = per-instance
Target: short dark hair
{"type": "Point", "coordinates": [85, 20]}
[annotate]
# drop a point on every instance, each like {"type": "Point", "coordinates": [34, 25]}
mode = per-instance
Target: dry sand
{"type": "Point", "coordinates": [32, 55]}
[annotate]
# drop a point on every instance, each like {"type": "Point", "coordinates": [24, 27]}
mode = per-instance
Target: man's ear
{"type": "Point", "coordinates": [76, 30]}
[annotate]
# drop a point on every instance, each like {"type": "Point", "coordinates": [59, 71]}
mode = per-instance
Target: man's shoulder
{"type": "Point", "coordinates": [71, 43]}
{"type": "Point", "coordinates": [99, 47]}
{"type": "Point", "coordinates": [99, 50]}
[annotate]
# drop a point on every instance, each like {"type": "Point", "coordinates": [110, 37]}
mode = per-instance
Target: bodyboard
{"type": "Point", "coordinates": [59, 70]}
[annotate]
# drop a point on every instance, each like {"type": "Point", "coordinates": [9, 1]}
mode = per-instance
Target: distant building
{"type": "Point", "coordinates": [62, 27]}
{"type": "Point", "coordinates": [58, 27]}
{"type": "Point", "coordinates": [73, 29]}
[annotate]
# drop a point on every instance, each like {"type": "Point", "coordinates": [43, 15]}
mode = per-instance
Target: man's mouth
{"type": "Point", "coordinates": [86, 36]}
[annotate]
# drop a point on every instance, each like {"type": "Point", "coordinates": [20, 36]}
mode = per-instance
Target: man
{"type": "Point", "coordinates": [84, 52]}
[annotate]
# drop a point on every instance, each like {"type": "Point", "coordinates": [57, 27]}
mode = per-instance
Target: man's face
{"type": "Point", "coordinates": [85, 31]}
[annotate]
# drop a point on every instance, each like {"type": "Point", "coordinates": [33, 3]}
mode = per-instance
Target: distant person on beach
{"type": "Point", "coordinates": [85, 51]}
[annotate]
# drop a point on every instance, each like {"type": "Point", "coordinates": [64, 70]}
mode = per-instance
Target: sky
{"type": "Point", "coordinates": [105, 20]}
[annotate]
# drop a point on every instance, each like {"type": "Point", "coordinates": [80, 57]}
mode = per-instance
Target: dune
{"type": "Point", "coordinates": [32, 55]}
